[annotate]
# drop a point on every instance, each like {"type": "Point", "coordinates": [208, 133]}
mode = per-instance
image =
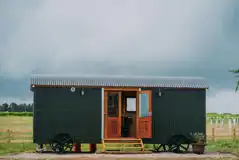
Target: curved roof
{"type": "Point", "coordinates": [119, 81]}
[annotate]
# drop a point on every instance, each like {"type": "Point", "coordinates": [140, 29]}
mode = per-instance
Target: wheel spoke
{"type": "Point", "coordinates": [185, 148]}
{"type": "Point", "coordinates": [166, 148]}
{"type": "Point", "coordinates": [173, 147]}
{"type": "Point", "coordinates": [68, 147]}
{"type": "Point", "coordinates": [156, 147]}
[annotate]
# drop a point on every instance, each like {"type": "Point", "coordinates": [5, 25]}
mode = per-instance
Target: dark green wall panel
{"type": "Point", "coordinates": [177, 111]}
{"type": "Point", "coordinates": [58, 110]}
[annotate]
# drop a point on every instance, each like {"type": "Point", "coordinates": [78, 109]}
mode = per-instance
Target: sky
{"type": "Point", "coordinates": [154, 37]}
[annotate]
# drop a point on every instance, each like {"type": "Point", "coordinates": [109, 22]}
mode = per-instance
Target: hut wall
{"type": "Point", "coordinates": [58, 110]}
{"type": "Point", "coordinates": [177, 111]}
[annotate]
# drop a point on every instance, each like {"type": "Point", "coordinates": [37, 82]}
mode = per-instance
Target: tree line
{"type": "Point", "coordinates": [14, 107]}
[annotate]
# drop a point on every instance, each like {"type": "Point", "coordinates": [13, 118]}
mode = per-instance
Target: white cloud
{"type": "Point", "coordinates": [223, 101]}
{"type": "Point", "coordinates": [61, 36]}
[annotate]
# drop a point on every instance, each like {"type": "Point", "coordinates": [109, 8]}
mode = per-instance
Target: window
{"type": "Point", "coordinates": [113, 105]}
{"type": "Point", "coordinates": [144, 105]}
{"type": "Point", "coordinates": [131, 104]}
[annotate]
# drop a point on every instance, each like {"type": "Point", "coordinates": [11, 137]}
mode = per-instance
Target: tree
{"type": "Point", "coordinates": [5, 105]}
{"type": "Point", "coordinates": [22, 107]}
{"type": "Point", "coordinates": [30, 108]}
{"type": "Point", "coordinates": [13, 107]}
{"type": "Point", "coordinates": [236, 72]}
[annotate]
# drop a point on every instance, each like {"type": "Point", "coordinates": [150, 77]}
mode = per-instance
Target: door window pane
{"type": "Point", "coordinates": [144, 105]}
{"type": "Point", "coordinates": [113, 105]}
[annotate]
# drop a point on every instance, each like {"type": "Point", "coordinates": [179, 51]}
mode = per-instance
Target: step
{"type": "Point", "coordinates": [119, 141]}
{"type": "Point", "coordinates": [122, 145]}
{"type": "Point", "coordinates": [127, 152]}
{"type": "Point", "coordinates": [123, 138]}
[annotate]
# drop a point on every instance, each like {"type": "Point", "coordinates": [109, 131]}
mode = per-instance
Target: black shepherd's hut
{"type": "Point", "coordinates": [103, 109]}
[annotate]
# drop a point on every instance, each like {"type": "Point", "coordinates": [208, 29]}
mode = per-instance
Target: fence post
{"type": "Point", "coordinates": [9, 135]}
{"type": "Point", "coordinates": [234, 133]}
{"type": "Point", "coordinates": [213, 134]}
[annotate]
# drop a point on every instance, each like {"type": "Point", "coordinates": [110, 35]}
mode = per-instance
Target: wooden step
{"type": "Point", "coordinates": [122, 145]}
{"type": "Point", "coordinates": [122, 141]}
{"type": "Point", "coordinates": [128, 152]}
{"type": "Point", "coordinates": [123, 138]}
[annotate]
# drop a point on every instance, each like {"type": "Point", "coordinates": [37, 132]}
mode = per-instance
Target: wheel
{"type": "Point", "coordinates": [179, 144]}
{"type": "Point", "coordinates": [157, 147]}
{"type": "Point", "coordinates": [62, 143]}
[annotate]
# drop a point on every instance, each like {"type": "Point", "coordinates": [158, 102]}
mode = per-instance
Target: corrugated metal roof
{"type": "Point", "coordinates": [120, 81]}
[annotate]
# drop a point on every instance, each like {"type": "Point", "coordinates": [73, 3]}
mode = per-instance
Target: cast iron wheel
{"type": "Point", "coordinates": [157, 147]}
{"type": "Point", "coordinates": [62, 143]}
{"type": "Point", "coordinates": [179, 144]}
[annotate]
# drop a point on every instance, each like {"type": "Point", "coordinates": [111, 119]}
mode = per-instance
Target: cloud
{"type": "Point", "coordinates": [223, 101]}
{"type": "Point", "coordinates": [113, 37]}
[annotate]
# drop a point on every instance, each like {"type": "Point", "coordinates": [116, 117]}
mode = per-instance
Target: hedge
{"type": "Point", "coordinates": [16, 113]}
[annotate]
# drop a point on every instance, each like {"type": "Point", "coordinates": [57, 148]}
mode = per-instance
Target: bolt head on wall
{"type": "Point", "coordinates": [73, 89]}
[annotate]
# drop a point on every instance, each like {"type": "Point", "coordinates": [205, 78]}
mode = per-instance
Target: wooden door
{"type": "Point", "coordinates": [112, 113]}
{"type": "Point", "coordinates": [144, 114]}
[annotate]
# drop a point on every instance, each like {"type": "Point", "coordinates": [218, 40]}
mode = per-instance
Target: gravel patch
{"type": "Point", "coordinates": [117, 156]}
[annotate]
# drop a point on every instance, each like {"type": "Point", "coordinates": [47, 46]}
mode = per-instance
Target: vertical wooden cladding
{"type": "Point", "coordinates": [112, 123]}
{"type": "Point", "coordinates": [105, 113]}
{"type": "Point", "coordinates": [144, 114]}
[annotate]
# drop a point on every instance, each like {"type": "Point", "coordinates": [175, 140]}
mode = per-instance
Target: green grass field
{"type": "Point", "coordinates": [20, 137]}
{"type": "Point", "coordinates": [21, 128]}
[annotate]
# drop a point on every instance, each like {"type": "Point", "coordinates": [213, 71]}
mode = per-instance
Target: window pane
{"type": "Point", "coordinates": [131, 104]}
{"type": "Point", "coordinates": [113, 105]}
{"type": "Point", "coordinates": [144, 105]}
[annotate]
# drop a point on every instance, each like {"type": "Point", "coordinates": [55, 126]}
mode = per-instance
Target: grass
{"type": "Point", "coordinates": [7, 148]}
{"type": "Point", "coordinates": [16, 123]}
{"type": "Point", "coordinates": [29, 114]}
{"type": "Point", "coordinates": [228, 146]}
{"type": "Point", "coordinates": [22, 130]}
